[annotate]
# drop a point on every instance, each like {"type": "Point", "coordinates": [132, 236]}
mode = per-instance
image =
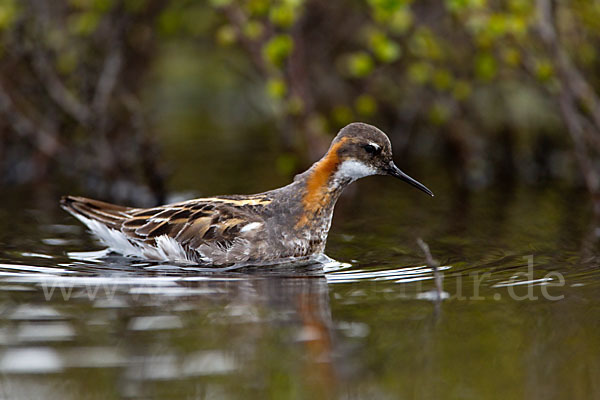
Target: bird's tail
{"type": "Point", "coordinates": [82, 208]}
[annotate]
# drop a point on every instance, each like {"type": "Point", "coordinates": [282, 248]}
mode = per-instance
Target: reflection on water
{"type": "Point", "coordinates": [156, 329]}
{"type": "Point", "coordinates": [520, 316]}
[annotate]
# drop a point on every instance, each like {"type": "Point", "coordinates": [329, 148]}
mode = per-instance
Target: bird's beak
{"type": "Point", "coordinates": [393, 170]}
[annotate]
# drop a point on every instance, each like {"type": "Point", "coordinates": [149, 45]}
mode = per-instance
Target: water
{"type": "Point", "coordinates": [520, 315]}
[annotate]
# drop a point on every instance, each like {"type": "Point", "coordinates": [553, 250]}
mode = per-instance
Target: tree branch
{"type": "Point", "coordinates": [44, 70]}
{"type": "Point", "coordinates": [57, 91]}
{"type": "Point", "coordinates": [573, 88]}
{"type": "Point", "coordinates": [43, 140]}
{"type": "Point", "coordinates": [434, 265]}
{"type": "Point", "coordinates": [571, 76]}
{"type": "Point", "coordinates": [108, 78]}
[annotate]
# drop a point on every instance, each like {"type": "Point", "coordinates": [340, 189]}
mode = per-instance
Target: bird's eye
{"type": "Point", "coordinates": [369, 148]}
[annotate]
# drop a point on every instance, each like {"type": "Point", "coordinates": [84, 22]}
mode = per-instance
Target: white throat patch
{"type": "Point", "coordinates": [354, 170]}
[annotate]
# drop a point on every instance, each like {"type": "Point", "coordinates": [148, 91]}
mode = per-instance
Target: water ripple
{"type": "Point", "coordinates": [397, 275]}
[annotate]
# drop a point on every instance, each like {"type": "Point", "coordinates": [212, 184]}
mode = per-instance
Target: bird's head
{"type": "Point", "coordinates": [363, 150]}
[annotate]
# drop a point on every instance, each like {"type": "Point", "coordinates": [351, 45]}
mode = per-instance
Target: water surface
{"type": "Point", "coordinates": [520, 315]}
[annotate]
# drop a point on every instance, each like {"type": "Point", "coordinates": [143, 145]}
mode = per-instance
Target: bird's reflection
{"type": "Point", "coordinates": [262, 332]}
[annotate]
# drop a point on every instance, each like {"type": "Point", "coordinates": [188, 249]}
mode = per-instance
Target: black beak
{"type": "Point", "coordinates": [393, 170]}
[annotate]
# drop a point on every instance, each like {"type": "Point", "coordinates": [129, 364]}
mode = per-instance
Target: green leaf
{"type": "Point", "coordinates": [388, 6]}
{"type": "Point", "coordinates": [8, 13]}
{"type": "Point", "coordinates": [282, 15]}
{"type": "Point", "coordinates": [226, 35]}
{"type": "Point", "coordinates": [544, 70]}
{"type": "Point", "coordinates": [401, 20]}
{"type": "Point", "coordinates": [477, 23]}
{"type": "Point", "coordinates": [439, 113]}
{"type": "Point", "coordinates": [293, 3]}
{"type": "Point", "coordinates": [496, 25]}
{"type": "Point", "coordinates": [458, 6]}
{"type": "Point", "coordinates": [485, 66]}
{"type": "Point", "coordinates": [103, 6]}
{"type": "Point", "coordinates": [511, 56]}
{"type": "Point", "coordinates": [135, 6]}
{"type": "Point", "coordinates": [276, 88]}
{"type": "Point", "coordinates": [520, 6]}
{"type": "Point", "coordinates": [342, 115]}
{"type": "Point", "coordinates": [84, 23]}
{"type": "Point", "coordinates": [424, 44]}
{"type": "Point", "coordinates": [442, 79]}
{"type": "Point", "coordinates": [169, 21]}
{"type": "Point", "coordinates": [384, 49]}
{"type": "Point", "coordinates": [253, 29]}
{"type": "Point", "coordinates": [461, 90]}
{"type": "Point", "coordinates": [360, 64]}
{"type": "Point", "coordinates": [365, 105]}
{"type": "Point", "coordinates": [258, 7]}
{"type": "Point", "coordinates": [419, 72]}
{"type": "Point", "coordinates": [220, 3]}
{"type": "Point", "coordinates": [517, 25]}
{"type": "Point", "coordinates": [277, 49]}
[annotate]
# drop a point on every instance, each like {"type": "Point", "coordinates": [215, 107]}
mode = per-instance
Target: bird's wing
{"type": "Point", "coordinates": [196, 222]}
{"type": "Point", "coordinates": [215, 220]}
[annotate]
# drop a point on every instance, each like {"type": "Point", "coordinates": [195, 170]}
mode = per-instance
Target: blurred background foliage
{"type": "Point", "coordinates": [102, 92]}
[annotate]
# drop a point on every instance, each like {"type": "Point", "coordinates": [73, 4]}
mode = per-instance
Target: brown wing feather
{"type": "Point", "coordinates": [111, 215]}
{"type": "Point", "coordinates": [192, 223]}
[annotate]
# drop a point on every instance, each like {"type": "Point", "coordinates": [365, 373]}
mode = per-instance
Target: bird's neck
{"type": "Point", "coordinates": [322, 187]}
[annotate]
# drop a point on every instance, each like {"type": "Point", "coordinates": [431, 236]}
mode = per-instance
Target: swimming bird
{"type": "Point", "coordinates": [287, 224]}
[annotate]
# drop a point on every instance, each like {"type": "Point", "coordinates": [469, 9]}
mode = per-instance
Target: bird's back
{"type": "Point", "coordinates": [216, 230]}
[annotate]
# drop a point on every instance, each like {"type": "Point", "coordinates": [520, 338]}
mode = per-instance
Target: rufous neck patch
{"type": "Point", "coordinates": [317, 193]}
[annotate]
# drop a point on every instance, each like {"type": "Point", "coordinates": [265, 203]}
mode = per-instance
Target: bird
{"type": "Point", "coordinates": [285, 225]}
